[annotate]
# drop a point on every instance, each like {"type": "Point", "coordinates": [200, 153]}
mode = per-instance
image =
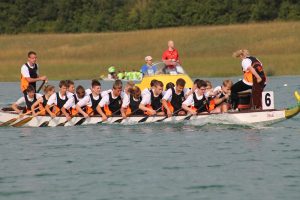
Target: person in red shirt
{"type": "Point", "coordinates": [171, 57]}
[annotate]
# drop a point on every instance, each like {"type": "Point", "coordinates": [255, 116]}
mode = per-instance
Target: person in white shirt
{"type": "Point", "coordinates": [70, 105]}
{"type": "Point", "coordinates": [42, 102]}
{"type": "Point", "coordinates": [131, 102]}
{"type": "Point", "coordinates": [197, 102]}
{"type": "Point", "coordinates": [254, 78]}
{"type": "Point", "coordinates": [173, 98]}
{"type": "Point", "coordinates": [29, 72]}
{"type": "Point", "coordinates": [90, 101]}
{"type": "Point", "coordinates": [147, 90]}
{"type": "Point", "coordinates": [111, 103]}
{"type": "Point", "coordinates": [151, 103]}
{"type": "Point", "coordinates": [28, 99]}
{"type": "Point", "coordinates": [58, 100]}
{"type": "Point", "coordinates": [70, 88]}
{"type": "Point", "coordinates": [219, 99]}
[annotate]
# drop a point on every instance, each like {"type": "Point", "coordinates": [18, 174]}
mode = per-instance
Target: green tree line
{"type": "Point", "coordinates": [71, 16]}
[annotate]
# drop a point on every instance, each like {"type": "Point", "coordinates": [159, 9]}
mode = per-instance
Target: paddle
{"type": "Point", "coordinates": [7, 123]}
{"type": "Point", "coordinates": [189, 116]}
{"type": "Point", "coordinates": [177, 111]}
{"type": "Point", "coordinates": [120, 120]}
{"type": "Point", "coordinates": [145, 118]}
{"type": "Point", "coordinates": [110, 115]}
{"type": "Point", "coordinates": [41, 87]}
{"type": "Point", "coordinates": [26, 120]}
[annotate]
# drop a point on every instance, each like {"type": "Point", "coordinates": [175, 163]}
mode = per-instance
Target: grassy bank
{"type": "Point", "coordinates": [204, 51]}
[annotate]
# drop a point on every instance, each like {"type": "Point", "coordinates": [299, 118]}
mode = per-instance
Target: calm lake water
{"type": "Point", "coordinates": [167, 162]}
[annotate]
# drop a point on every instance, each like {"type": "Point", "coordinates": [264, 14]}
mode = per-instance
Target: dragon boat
{"type": "Point", "coordinates": [244, 117]}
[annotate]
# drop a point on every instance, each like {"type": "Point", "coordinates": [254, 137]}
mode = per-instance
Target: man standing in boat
{"type": "Point", "coordinates": [170, 57]}
{"type": "Point", "coordinates": [29, 72]}
{"type": "Point", "coordinates": [254, 78]}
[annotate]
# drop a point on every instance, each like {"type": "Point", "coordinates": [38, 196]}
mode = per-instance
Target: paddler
{"type": "Point", "coordinates": [131, 102]}
{"type": "Point", "coordinates": [254, 78]}
{"type": "Point", "coordinates": [58, 99]}
{"type": "Point", "coordinates": [112, 102]}
{"type": "Point", "coordinates": [151, 102]}
{"type": "Point", "coordinates": [70, 105]}
{"type": "Point", "coordinates": [29, 72]}
{"type": "Point", "coordinates": [70, 88]}
{"type": "Point", "coordinates": [219, 97]}
{"type": "Point", "coordinates": [147, 90]}
{"type": "Point", "coordinates": [42, 102]}
{"type": "Point", "coordinates": [197, 102]}
{"type": "Point", "coordinates": [29, 98]}
{"type": "Point", "coordinates": [90, 101]}
{"type": "Point", "coordinates": [173, 98]}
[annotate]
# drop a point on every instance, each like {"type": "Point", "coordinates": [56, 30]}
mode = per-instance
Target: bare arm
{"type": "Point", "coordinates": [99, 110]}
{"type": "Point", "coordinates": [15, 108]}
{"type": "Point", "coordinates": [188, 109]}
{"type": "Point", "coordinates": [255, 74]}
{"type": "Point", "coordinates": [47, 108]}
{"type": "Point", "coordinates": [34, 105]}
{"type": "Point", "coordinates": [79, 109]}
{"type": "Point", "coordinates": [123, 112]}
{"type": "Point", "coordinates": [31, 80]}
{"type": "Point", "coordinates": [165, 104]}
{"type": "Point", "coordinates": [144, 108]}
{"type": "Point", "coordinates": [64, 111]}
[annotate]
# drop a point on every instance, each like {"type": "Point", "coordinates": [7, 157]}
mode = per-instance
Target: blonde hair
{"type": "Point", "coordinates": [208, 83]}
{"type": "Point", "coordinates": [227, 83]}
{"type": "Point", "coordinates": [48, 88]}
{"type": "Point", "coordinates": [241, 52]}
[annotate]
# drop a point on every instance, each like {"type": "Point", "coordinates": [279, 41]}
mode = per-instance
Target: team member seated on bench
{"type": "Point", "coordinates": [197, 102]}
{"type": "Point", "coordinates": [90, 101]}
{"type": "Point", "coordinates": [131, 102]}
{"type": "Point", "coordinates": [151, 103]}
{"type": "Point", "coordinates": [173, 98]}
{"type": "Point", "coordinates": [29, 98]}
{"type": "Point", "coordinates": [112, 102]}
{"type": "Point", "coordinates": [58, 99]}
{"type": "Point", "coordinates": [42, 102]}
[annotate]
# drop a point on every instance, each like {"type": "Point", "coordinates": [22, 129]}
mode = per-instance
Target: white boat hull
{"type": "Point", "coordinates": [244, 118]}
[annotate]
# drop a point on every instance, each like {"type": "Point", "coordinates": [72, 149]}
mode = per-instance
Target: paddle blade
{"type": "Point", "coordinates": [188, 117]}
{"type": "Point", "coordinates": [22, 122]}
{"type": "Point", "coordinates": [118, 120]}
{"type": "Point", "coordinates": [44, 124]}
{"type": "Point", "coordinates": [160, 120]}
{"type": "Point", "coordinates": [9, 122]}
{"type": "Point", "coordinates": [80, 122]}
{"type": "Point", "coordinates": [62, 124]}
{"type": "Point", "coordinates": [144, 119]}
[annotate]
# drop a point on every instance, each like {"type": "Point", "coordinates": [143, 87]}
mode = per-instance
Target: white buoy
{"type": "Point", "coordinates": [285, 85]}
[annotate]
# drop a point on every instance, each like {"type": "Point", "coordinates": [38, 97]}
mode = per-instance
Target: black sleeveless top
{"type": "Point", "coordinates": [200, 105]}
{"type": "Point", "coordinates": [177, 100]}
{"type": "Point", "coordinates": [156, 102]}
{"type": "Point", "coordinates": [32, 73]}
{"type": "Point", "coordinates": [29, 103]}
{"type": "Point", "coordinates": [115, 104]}
{"type": "Point", "coordinates": [134, 106]}
{"type": "Point", "coordinates": [95, 103]}
{"type": "Point", "coordinates": [60, 102]}
{"type": "Point", "coordinates": [257, 65]}
{"type": "Point", "coordinates": [44, 103]}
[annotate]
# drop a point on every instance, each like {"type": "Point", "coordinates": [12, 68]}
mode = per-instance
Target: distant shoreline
{"type": "Point", "coordinates": [205, 51]}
